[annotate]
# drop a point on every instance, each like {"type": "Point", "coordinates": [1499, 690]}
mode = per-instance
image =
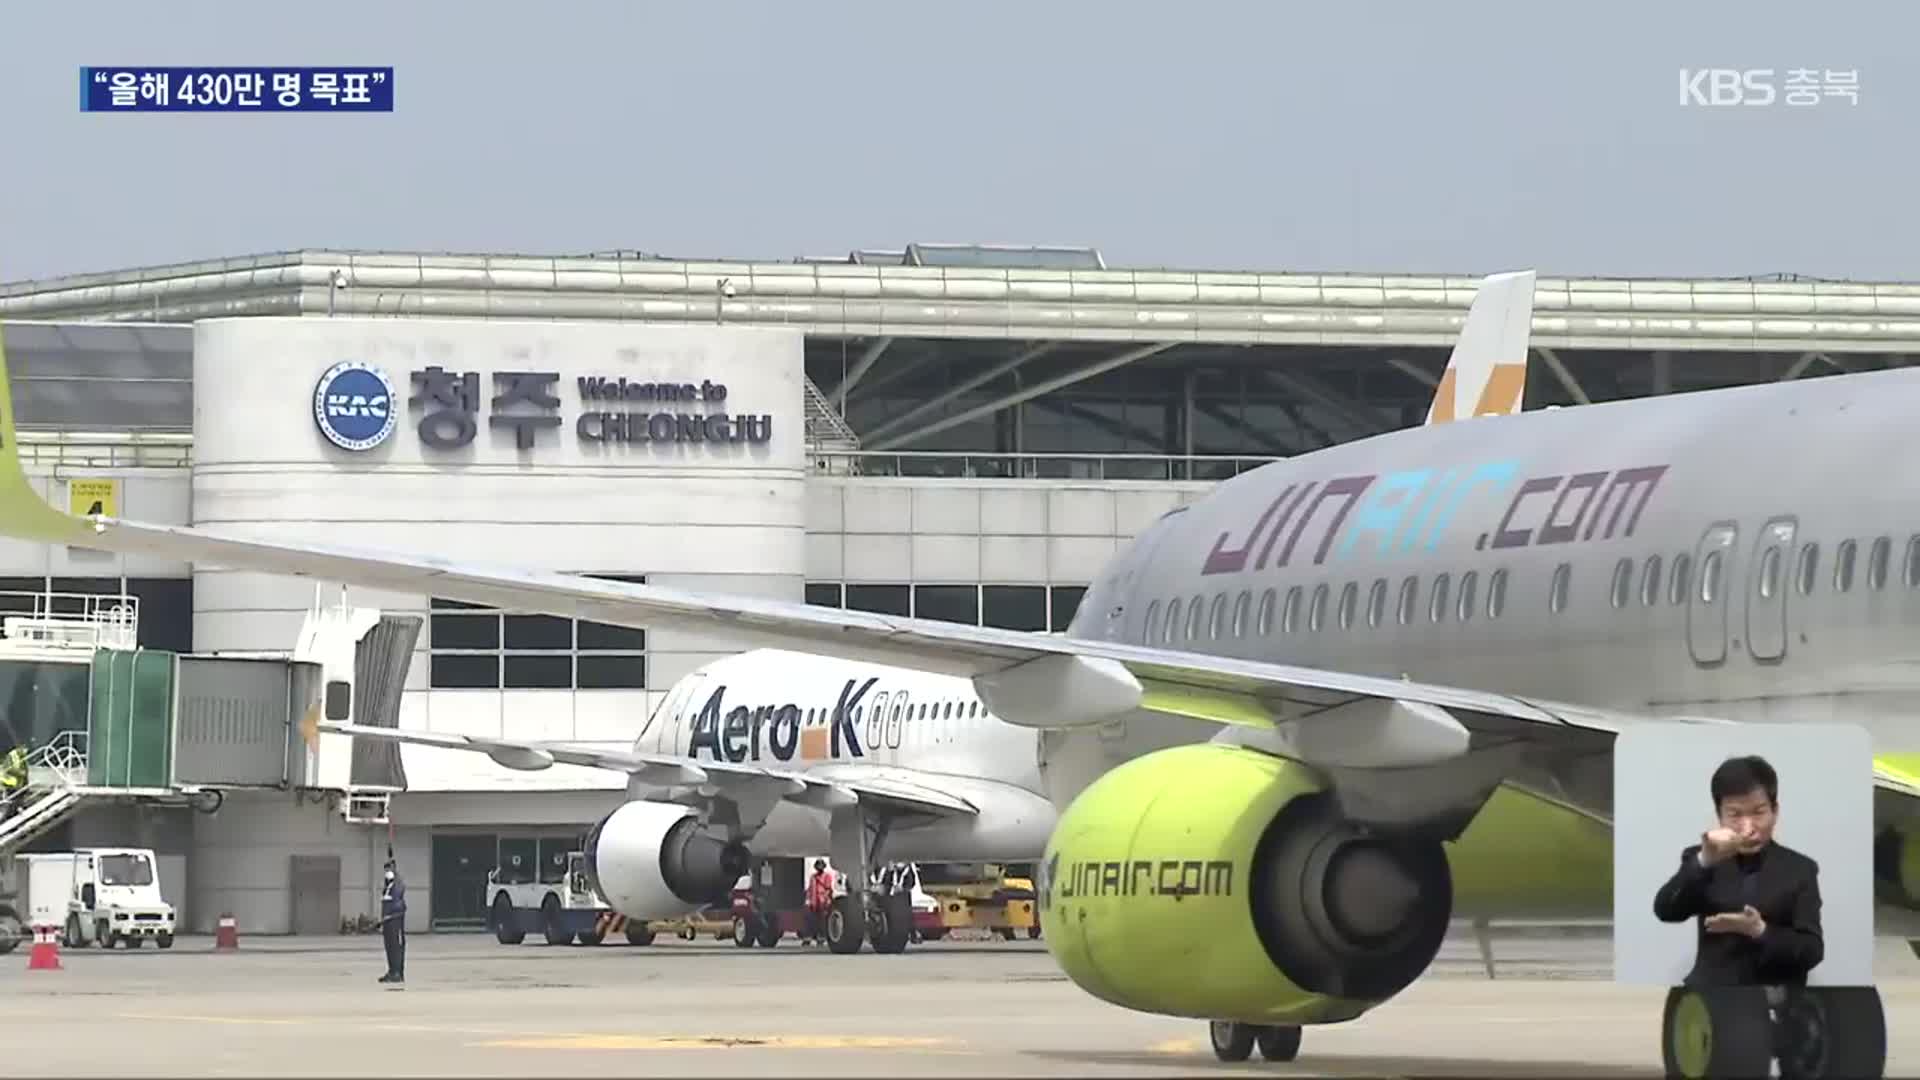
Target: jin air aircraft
{"type": "Point", "coordinates": [1297, 726]}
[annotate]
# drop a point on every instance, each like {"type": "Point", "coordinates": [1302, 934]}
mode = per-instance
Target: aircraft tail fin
{"type": "Point", "coordinates": [1487, 373]}
{"type": "Point", "coordinates": [29, 515]}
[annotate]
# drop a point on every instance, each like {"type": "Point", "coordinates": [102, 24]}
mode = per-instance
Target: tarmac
{"type": "Point", "coordinates": [299, 1007]}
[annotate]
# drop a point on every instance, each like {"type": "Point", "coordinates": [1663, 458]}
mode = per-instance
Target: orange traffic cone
{"type": "Point", "coordinates": [45, 954]}
{"type": "Point", "coordinates": [226, 936]}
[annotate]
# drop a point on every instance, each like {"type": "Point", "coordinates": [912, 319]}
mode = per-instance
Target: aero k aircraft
{"type": "Point", "coordinates": [1299, 725]}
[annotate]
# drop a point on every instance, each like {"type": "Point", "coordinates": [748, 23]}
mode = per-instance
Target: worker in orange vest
{"type": "Point", "coordinates": [819, 899]}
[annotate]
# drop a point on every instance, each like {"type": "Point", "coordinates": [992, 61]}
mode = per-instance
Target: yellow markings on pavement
{"type": "Point", "coordinates": [611, 1041]}
{"type": "Point", "coordinates": [1176, 1046]}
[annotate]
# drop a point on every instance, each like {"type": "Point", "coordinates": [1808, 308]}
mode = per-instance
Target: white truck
{"type": "Point", "coordinates": [563, 908]}
{"type": "Point", "coordinates": [103, 895]}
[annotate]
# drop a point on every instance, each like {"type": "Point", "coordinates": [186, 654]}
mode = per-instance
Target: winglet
{"type": "Point", "coordinates": [28, 515]}
{"type": "Point", "coordinates": [1487, 373]}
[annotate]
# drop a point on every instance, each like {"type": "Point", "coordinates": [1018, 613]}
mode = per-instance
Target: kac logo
{"type": "Point", "coordinates": [353, 404]}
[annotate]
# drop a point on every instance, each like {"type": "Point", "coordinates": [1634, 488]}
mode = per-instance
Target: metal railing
{"type": "Point", "coordinates": [106, 449]}
{"type": "Point", "coordinates": [960, 464]}
{"type": "Point", "coordinates": [88, 620]}
{"type": "Point", "coordinates": [64, 758]}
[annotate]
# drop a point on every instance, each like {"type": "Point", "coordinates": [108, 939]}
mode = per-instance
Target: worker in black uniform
{"type": "Point", "coordinates": [393, 925]}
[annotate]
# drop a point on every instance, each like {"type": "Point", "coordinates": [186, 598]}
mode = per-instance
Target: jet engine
{"type": "Point", "coordinates": [1221, 883]}
{"type": "Point", "coordinates": [653, 860]}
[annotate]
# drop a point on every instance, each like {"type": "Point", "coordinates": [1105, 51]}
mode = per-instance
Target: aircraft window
{"type": "Point", "coordinates": [1843, 566]}
{"type": "Point", "coordinates": [1496, 594]}
{"type": "Point", "coordinates": [1622, 582]}
{"type": "Point", "coordinates": [1682, 576]}
{"type": "Point", "coordinates": [1809, 571]}
{"type": "Point", "coordinates": [1769, 580]}
{"type": "Point", "coordinates": [1290, 611]}
{"type": "Point", "coordinates": [1913, 562]}
{"type": "Point", "coordinates": [1316, 612]}
{"type": "Point", "coordinates": [1263, 618]}
{"type": "Point", "coordinates": [1349, 599]}
{"type": "Point", "coordinates": [1469, 586]}
{"type": "Point", "coordinates": [1240, 613]}
{"type": "Point", "coordinates": [1409, 595]}
{"type": "Point", "coordinates": [1377, 602]}
{"type": "Point", "coordinates": [923, 710]}
{"type": "Point", "coordinates": [1194, 614]}
{"type": "Point", "coordinates": [1877, 563]}
{"type": "Point", "coordinates": [1710, 577]}
{"type": "Point", "coordinates": [1650, 582]}
{"type": "Point", "coordinates": [1557, 592]}
{"type": "Point", "coordinates": [1153, 615]}
{"type": "Point", "coordinates": [1173, 619]}
{"type": "Point", "coordinates": [1437, 603]}
{"type": "Point", "coordinates": [1216, 622]}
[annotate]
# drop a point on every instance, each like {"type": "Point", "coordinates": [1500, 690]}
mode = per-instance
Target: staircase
{"type": "Point", "coordinates": [826, 429]}
{"type": "Point", "coordinates": [57, 776]}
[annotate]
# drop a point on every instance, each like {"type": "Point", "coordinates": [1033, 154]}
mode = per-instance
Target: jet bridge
{"type": "Point", "coordinates": [109, 721]}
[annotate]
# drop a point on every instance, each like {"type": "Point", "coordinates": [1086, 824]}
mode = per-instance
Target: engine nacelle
{"type": "Point", "coordinates": [1220, 883]}
{"type": "Point", "coordinates": [653, 860]}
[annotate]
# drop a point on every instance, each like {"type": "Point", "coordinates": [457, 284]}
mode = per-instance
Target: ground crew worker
{"type": "Point", "coordinates": [393, 925]}
{"type": "Point", "coordinates": [13, 778]}
{"type": "Point", "coordinates": [819, 899]}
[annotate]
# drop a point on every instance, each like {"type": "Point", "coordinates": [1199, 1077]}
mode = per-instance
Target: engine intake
{"type": "Point", "coordinates": [653, 860]}
{"type": "Point", "coordinates": [1221, 883]}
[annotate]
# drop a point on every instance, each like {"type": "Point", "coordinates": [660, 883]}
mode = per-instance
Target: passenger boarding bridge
{"type": "Point", "coordinates": [110, 722]}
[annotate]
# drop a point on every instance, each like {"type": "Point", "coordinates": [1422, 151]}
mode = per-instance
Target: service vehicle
{"type": "Point", "coordinates": [103, 895]}
{"type": "Point", "coordinates": [557, 903]}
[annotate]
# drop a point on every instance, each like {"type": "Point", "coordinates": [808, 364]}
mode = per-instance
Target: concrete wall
{"type": "Point", "coordinates": [1013, 532]}
{"type": "Point", "coordinates": [161, 496]}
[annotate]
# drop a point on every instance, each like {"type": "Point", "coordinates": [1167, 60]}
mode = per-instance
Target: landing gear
{"type": "Point", "coordinates": [845, 927]}
{"type": "Point", "coordinates": [890, 922]}
{"type": "Point", "coordinates": [1235, 1041]}
{"type": "Point", "coordinates": [1740, 1031]}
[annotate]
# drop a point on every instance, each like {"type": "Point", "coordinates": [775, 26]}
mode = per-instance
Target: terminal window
{"type": "Point", "coordinates": [473, 647]}
{"type": "Point", "coordinates": [1008, 607]}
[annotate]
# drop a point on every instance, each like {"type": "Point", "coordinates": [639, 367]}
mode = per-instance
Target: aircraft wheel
{"type": "Point", "coordinates": [1717, 1032]}
{"type": "Point", "coordinates": [1831, 1031]}
{"type": "Point", "coordinates": [589, 937]}
{"type": "Point", "coordinates": [1279, 1043]}
{"type": "Point", "coordinates": [845, 925]}
{"type": "Point", "coordinates": [890, 923]}
{"type": "Point", "coordinates": [506, 922]}
{"type": "Point", "coordinates": [1231, 1041]}
{"type": "Point", "coordinates": [743, 932]}
{"type": "Point", "coordinates": [639, 934]}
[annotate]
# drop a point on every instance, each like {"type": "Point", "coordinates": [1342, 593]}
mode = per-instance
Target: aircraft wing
{"type": "Point", "coordinates": [666, 772]}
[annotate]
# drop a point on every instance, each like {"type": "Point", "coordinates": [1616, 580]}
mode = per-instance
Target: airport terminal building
{"type": "Point", "coordinates": [951, 432]}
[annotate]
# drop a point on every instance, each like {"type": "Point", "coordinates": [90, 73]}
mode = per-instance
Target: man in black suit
{"type": "Point", "coordinates": [1758, 901]}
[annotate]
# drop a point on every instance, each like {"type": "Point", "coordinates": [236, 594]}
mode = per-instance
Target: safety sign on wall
{"type": "Point", "coordinates": [93, 496]}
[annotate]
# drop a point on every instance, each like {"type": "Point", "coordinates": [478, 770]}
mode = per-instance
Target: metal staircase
{"type": "Point", "coordinates": [56, 782]}
{"type": "Point", "coordinates": [826, 429]}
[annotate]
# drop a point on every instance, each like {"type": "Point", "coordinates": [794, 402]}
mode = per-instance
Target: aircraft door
{"type": "Point", "coordinates": [902, 710]}
{"type": "Point", "coordinates": [1767, 591]}
{"type": "Point", "coordinates": [1708, 595]}
{"type": "Point", "coordinates": [1123, 581]}
{"type": "Point", "coordinates": [669, 728]}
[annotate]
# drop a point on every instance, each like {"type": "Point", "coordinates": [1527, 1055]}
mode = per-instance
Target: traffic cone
{"type": "Point", "coordinates": [226, 936]}
{"type": "Point", "coordinates": [45, 954]}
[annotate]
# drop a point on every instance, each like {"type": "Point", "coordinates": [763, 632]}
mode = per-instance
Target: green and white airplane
{"type": "Point", "coordinates": [1301, 724]}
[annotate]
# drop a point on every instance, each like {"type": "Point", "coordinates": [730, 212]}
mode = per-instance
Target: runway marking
{"type": "Point", "coordinates": [719, 1042]}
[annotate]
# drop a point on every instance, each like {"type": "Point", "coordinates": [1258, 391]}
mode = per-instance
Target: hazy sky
{"type": "Point", "coordinates": [1389, 137]}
